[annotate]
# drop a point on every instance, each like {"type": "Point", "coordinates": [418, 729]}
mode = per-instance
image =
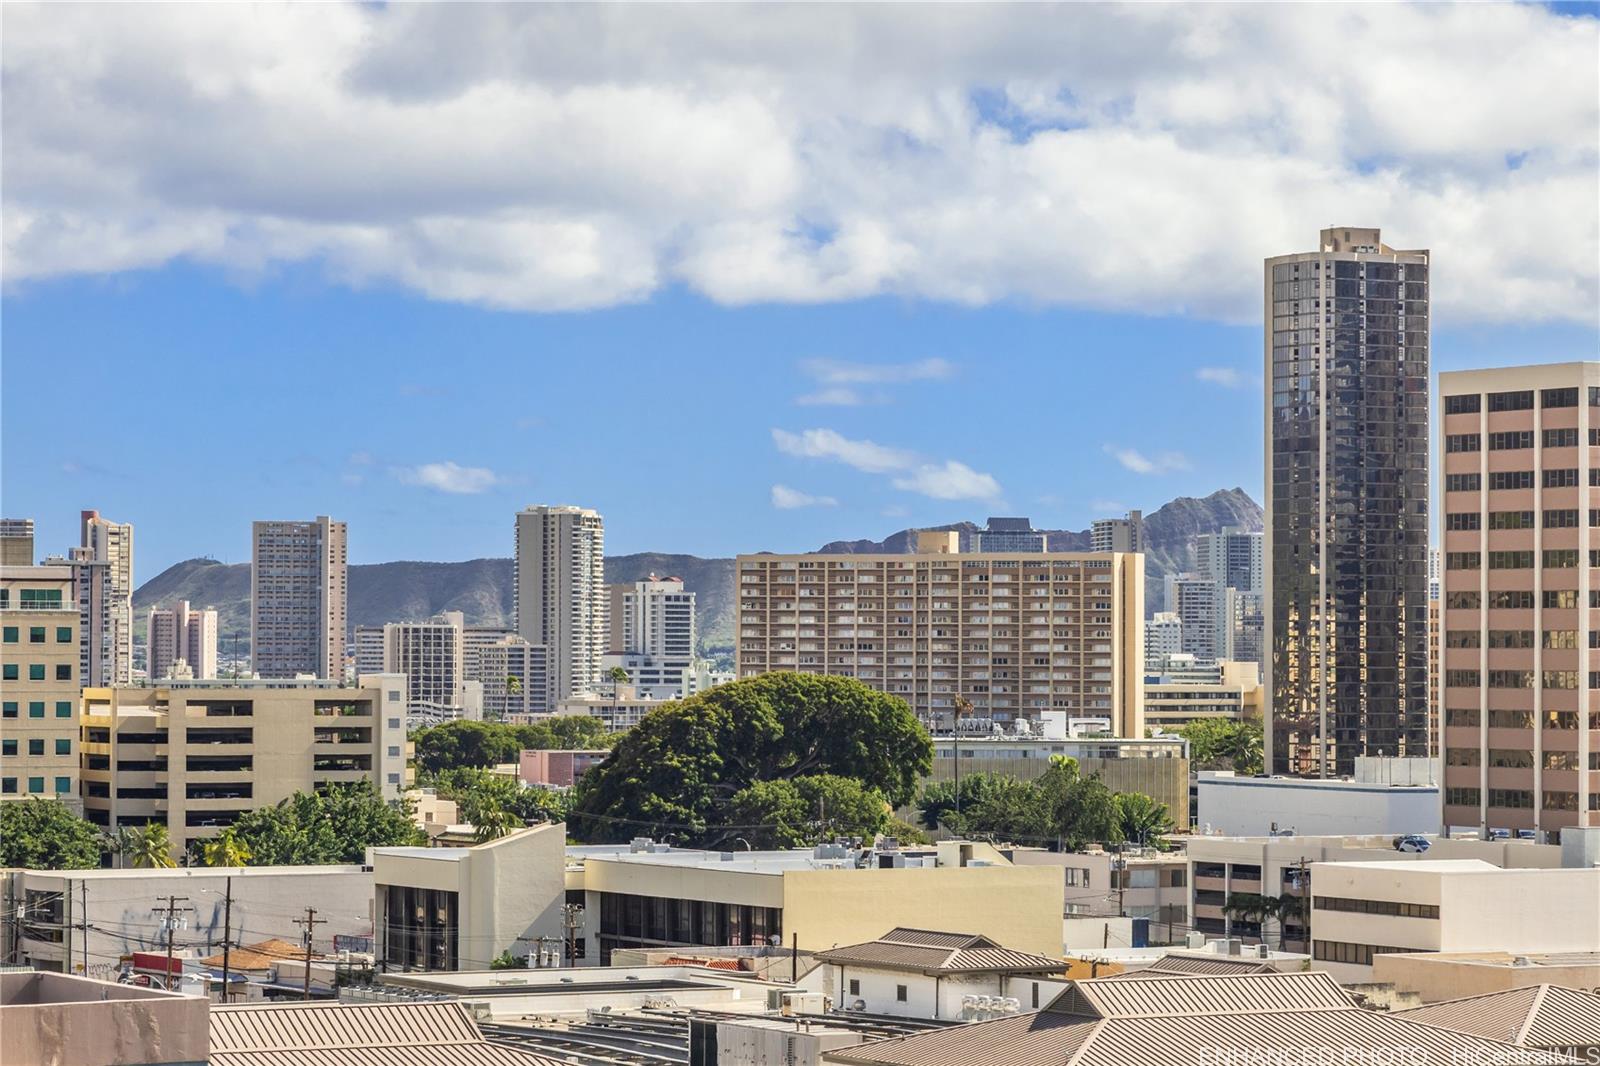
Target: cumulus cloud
{"type": "Point", "coordinates": [450, 477]}
{"type": "Point", "coordinates": [840, 380]}
{"type": "Point", "coordinates": [553, 157]}
{"type": "Point", "coordinates": [1136, 461]}
{"type": "Point", "coordinates": [1226, 376]}
{"type": "Point", "coordinates": [947, 480]}
{"type": "Point", "coordinates": [833, 396]}
{"type": "Point", "coordinates": [786, 499]}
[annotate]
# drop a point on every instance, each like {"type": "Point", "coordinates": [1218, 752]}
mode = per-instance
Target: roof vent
{"type": "Point", "coordinates": [1522, 960]}
{"type": "Point", "coordinates": [726, 856]}
{"type": "Point", "coordinates": [639, 844]}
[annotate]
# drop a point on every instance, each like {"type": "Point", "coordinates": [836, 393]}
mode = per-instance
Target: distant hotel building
{"type": "Point", "coordinates": [1521, 733]}
{"type": "Point", "coordinates": [1118, 534]}
{"type": "Point", "coordinates": [561, 599]}
{"type": "Point", "coordinates": [181, 641]}
{"type": "Point", "coordinates": [431, 657]}
{"type": "Point", "coordinates": [16, 542]}
{"type": "Point", "coordinates": [1014, 633]}
{"type": "Point", "coordinates": [196, 755]}
{"type": "Point", "coordinates": [653, 636]}
{"type": "Point", "coordinates": [516, 679]}
{"type": "Point", "coordinates": [1346, 356]}
{"type": "Point", "coordinates": [298, 594]}
{"type": "Point", "coordinates": [1010, 535]}
{"type": "Point", "coordinates": [39, 661]}
{"type": "Point", "coordinates": [102, 567]}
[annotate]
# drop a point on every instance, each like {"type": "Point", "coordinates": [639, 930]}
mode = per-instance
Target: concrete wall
{"type": "Point", "coordinates": [50, 1020]}
{"type": "Point", "coordinates": [1017, 906]}
{"type": "Point", "coordinates": [1246, 806]}
{"type": "Point", "coordinates": [1438, 977]}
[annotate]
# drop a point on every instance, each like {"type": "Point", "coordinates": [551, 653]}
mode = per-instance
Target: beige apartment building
{"type": "Point", "coordinates": [1234, 694]}
{"type": "Point", "coordinates": [196, 755]}
{"type": "Point", "coordinates": [1015, 634]}
{"type": "Point", "coordinates": [1521, 677]}
{"type": "Point", "coordinates": [561, 600]}
{"type": "Point", "coordinates": [103, 573]}
{"type": "Point", "coordinates": [299, 589]}
{"type": "Point", "coordinates": [181, 641]}
{"type": "Point", "coordinates": [39, 665]}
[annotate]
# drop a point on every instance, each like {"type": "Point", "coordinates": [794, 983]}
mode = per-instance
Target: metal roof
{"type": "Point", "coordinates": [1547, 1016]}
{"type": "Point", "coordinates": [1157, 1023]}
{"type": "Point", "coordinates": [1175, 965]}
{"type": "Point", "coordinates": [930, 951]}
{"type": "Point", "coordinates": [434, 1033]}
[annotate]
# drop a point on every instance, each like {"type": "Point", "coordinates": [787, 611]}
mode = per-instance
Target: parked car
{"type": "Point", "coordinates": [1412, 844]}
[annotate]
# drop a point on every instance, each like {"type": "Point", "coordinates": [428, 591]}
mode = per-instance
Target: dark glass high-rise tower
{"type": "Point", "coordinates": [1347, 503]}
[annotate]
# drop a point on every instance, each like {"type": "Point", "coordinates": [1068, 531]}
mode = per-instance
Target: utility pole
{"type": "Point", "coordinates": [83, 886]}
{"type": "Point", "coordinates": [172, 925]}
{"type": "Point", "coordinates": [310, 921]}
{"type": "Point", "coordinates": [227, 932]}
{"type": "Point", "coordinates": [962, 706]}
{"type": "Point", "coordinates": [571, 916]}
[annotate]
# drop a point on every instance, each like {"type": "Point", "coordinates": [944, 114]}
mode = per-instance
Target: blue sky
{"type": "Point", "coordinates": [741, 277]}
{"type": "Point", "coordinates": [293, 398]}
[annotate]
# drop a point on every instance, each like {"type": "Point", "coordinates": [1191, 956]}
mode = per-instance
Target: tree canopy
{"type": "Point", "coordinates": [676, 773]}
{"type": "Point", "coordinates": [1060, 807]}
{"type": "Point", "coordinates": [43, 834]}
{"type": "Point", "coordinates": [465, 744]}
{"type": "Point", "coordinates": [803, 811]}
{"type": "Point", "coordinates": [336, 825]}
{"type": "Point", "coordinates": [480, 793]}
{"type": "Point", "coordinates": [1224, 744]}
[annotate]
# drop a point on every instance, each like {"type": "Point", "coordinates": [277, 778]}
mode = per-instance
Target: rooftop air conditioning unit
{"type": "Point", "coordinates": [1263, 952]}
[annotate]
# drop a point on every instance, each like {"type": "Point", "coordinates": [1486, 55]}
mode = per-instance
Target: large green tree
{"type": "Point", "coordinates": [676, 773]}
{"type": "Point", "coordinates": [937, 804]}
{"type": "Point", "coordinates": [1144, 820]}
{"type": "Point", "coordinates": [336, 825]}
{"type": "Point", "coordinates": [478, 791]}
{"type": "Point", "coordinates": [467, 744]}
{"type": "Point", "coordinates": [1224, 744]}
{"type": "Point", "coordinates": [803, 811]}
{"type": "Point", "coordinates": [42, 834]}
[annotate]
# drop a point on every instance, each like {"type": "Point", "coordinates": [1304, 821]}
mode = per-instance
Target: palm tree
{"type": "Point", "coordinates": [514, 684]}
{"type": "Point", "coordinates": [1250, 907]}
{"type": "Point", "coordinates": [1144, 820]}
{"type": "Point", "coordinates": [149, 847]}
{"type": "Point", "coordinates": [494, 822]}
{"type": "Point", "coordinates": [618, 676]}
{"type": "Point", "coordinates": [226, 850]}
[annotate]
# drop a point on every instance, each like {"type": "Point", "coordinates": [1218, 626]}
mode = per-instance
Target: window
{"type": "Point", "coordinates": [36, 634]}
{"type": "Point", "coordinates": [1463, 601]}
{"type": "Point", "coordinates": [1387, 907]}
{"type": "Point", "coordinates": [1512, 561]}
{"type": "Point", "coordinates": [1469, 404]}
{"type": "Point", "coordinates": [1354, 954]}
{"type": "Point", "coordinates": [1558, 397]}
{"type": "Point", "coordinates": [36, 708]}
{"type": "Point", "coordinates": [1560, 639]}
{"type": "Point", "coordinates": [1511, 401]}
{"type": "Point", "coordinates": [36, 671]}
{"type": "Point", "coordinates": [1461, 638]}
{"type": "Point", "coordinates": [9, 709]}
{"type": "Point", "coordinates": [1462, 797]}
{"type": "Point", "coordinates": [11, 634]}
{"type": "Point", "coordinates": [1508, 638]}
{"type": "Point", "coordinates": [1512, 798]}
{"type": "Point", "coordinates": [1511, 758]}
{"type": "Point", "coordinates": [1462, 442]}
{"type": "Point", "coordinates": [1560, 558]}
{"type": "Point", "coordinates": [1463, 521]}
{"type": "Point", "coordinates": [1561, 438]}
{"type": "Point", "coordinates": [63, 708]}
{"type": "Point", "coordinates": [1510, 719]}
{"type": "Point", "coordinates": [1511, 440]}
{"type": "Point", "coordinates": [8, 785]}
{"type": "Point", "coordinates": [1565, 478]}
{"type": "Point", "coordinates": [63, 671]}
{"type": "Point", "coordinates": [1561, 719]}
{"type": "Point", "coordinates": [1594, 436]}
{"type": "Point", "coordinates": [900, 993]}
{"type": "Point", "coordinates": [1510, 678]}
{"type": "Point", "coordinates": [1560, 760]}
{"type": "Point", "coordinates": [63, 746]}
{"type": "Point", "coordinates": [8, 672]}
{"type": "Point", "coordinates": [35, 745]}
{"type": "Point", "coordinates": [1561, 599]}
{"type": "Point", "coordinates": [855, 986]}
{"type": "Point", "coordinates": [36, 785]}
{"type": "Point", "coordinates": [1461, 678]}
{"type": "Point", "coordinates": [1561, 519]}
{"type": "Point", "coordinates": [1466, 717]}
{"type": "Point", "coordinates": [63, 634]}
{"type": "Point", "coordinates": [1510, 519]}
{"type": "Point", "coordinates": [8, 746]}
{"type": "Point", "coordinates": [1464, 560]}
{"type": "Point", "coordinates": [1463, 482]}
{"type": "Point", "coordinates": [1462, 757]}
{"type": "Point", "coordinates": [1512, 600]}
{"type": "Point", "coordinates": [1560, 679]}
{"type": "Point", "coordinates": [63, 785]}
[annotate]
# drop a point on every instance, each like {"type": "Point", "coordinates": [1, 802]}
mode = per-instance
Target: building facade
{"type": "Point", "coordinates": [103, 573]}
{"type": "Point", "coordinates": [1520, 674]}
{"type": "Point", "coordinates": [653, 636]}
{"type": "Point", "coordinates": [561, 599]}
{"type": "Point", "coordinates": [1118, 534]}
{"type": "Point", "coordinates": [16, 542]}
{"type": "Point", "coordinates": [516, 679]}
{"type": "Point", "coordinates": [1346, 559]}
{"type": "Point", "coordinates": [1010, 535]}
{"type": "Point", "coordinates": [299, 590]}
{"type": "Point", "coordinates": [181, 634]}
{"type": "Point", "coordinates": [39, 659]}
{"type": "Point", "coordinates": [1014, 634]}
{"type": "Point", "coordinates": [1231, 691]}
{"type": "Point", "coordinates": [431, 656]}
{"type": "Point", "coordinates": [196, 755]}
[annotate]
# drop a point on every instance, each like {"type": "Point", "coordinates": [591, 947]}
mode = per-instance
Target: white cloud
{"type": "Point", "coordinates": [864, 455]}
{"type": "Point", "coordinates": [786, 499]}
{"type": "Point", "coordinates": [834, 396]}
{"type": "Point", "coordinates": [1108, 507]}
{"type": "Point", "coordinates": [947, 480]}
{"type": "Point", "coordinates": [1139, 463]}
{"type": "Point", "coordinates": [838, 372]}
{"type": "Point", "coordinates": [1226, 376]}
{"type": "Point", "coordinates": [450, 477]}
{"type": "Point", "coordinates": [548, 157]}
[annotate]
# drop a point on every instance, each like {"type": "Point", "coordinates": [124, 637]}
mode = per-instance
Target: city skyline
{"type": "Point", "coordinates": [805, 353]}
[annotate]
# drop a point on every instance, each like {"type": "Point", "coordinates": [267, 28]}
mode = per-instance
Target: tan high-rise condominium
{"type": "Point", "coordinates": [1346, 554]}
{"type": "Point", "coordinates": [1014, 634]}
{"type": "Point", "coordinates": [561, 597]}
{"type": "Point", "coordinates": [40, 658]}
{"type": "Point", "coordinates": [103, 574]}
{"type": "Point", "coordinates": [181, 641]}
{"type": "Point", "coordinates": [1520, 492]}
{"type": "Point", "coordinates": [298, 594]}
{"type": "Point", "coordinates": [16, 542]}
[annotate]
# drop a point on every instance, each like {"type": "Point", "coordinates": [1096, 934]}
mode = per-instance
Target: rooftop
{"type": "Point", "coordinates": [434, 1033]}
{"type": "Point", "coordinates": [744, 862]}
{"type": "Point", "coordinates": [930, 952]}
{"type": "Point", "coordinates": [1546, 1016]}
{"type": "Point", "coordinates": [197, 872]}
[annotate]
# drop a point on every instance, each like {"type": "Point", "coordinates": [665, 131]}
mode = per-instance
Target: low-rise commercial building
{"type": "Point", "coordinates": [651, 895]}
{"type": "Point", "coordinates": [1441, 975]}
{"type": "Point", "coordinates": [1362, 910]}
{"type": "Point", "coordinates": [558, 767]}
{"type": "Point", "coordinates": [624, 709]}
{"type": "Point", "coordinates": [1138, 883]}
{"type": "Point", "coordinates": [40, 663]}
{"type": "Point", "coordinates": [461, 908]}
{"type": "Point", "coordinates": [195, 755]}
{"type": "Point", "coordinates": [1373, 801]}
